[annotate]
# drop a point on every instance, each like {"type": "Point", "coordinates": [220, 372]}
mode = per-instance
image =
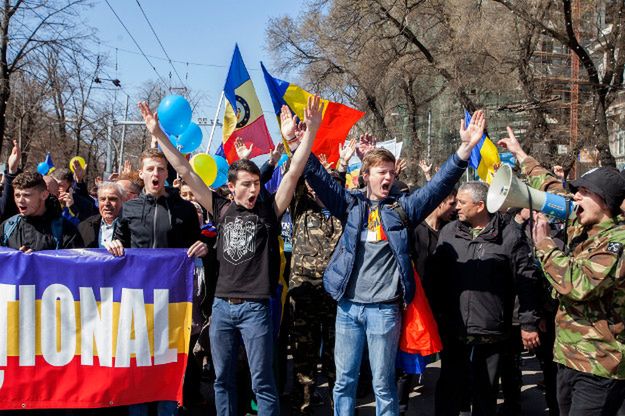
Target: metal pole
{"type": "Point", "coordinates": [429, 135]}
{"type": "Point", "coordinates": [109, 150]}
{"type": "Point", "coordinates": [210, 138]}
{"type": "Point", "coordinates": [121, 148]}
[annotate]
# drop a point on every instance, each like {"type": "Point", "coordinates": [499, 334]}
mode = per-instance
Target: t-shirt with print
{"type": "Point", "coordinates": [247, 248]}
{"type": "Point", "coordinates": [375, 277]}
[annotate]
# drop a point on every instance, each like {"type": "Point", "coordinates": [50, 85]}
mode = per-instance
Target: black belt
{"type": "Point", "coordinates": [238, 301]}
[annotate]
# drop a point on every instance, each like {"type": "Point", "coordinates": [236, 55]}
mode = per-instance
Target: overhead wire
{"type": "Point", "coordinates": [160, 43]}
{"type": "Point", "coordinates": [136, 43]}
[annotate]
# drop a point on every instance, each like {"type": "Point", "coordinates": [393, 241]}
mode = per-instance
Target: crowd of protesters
{"type": "Point", "coordinates": [496, 283]}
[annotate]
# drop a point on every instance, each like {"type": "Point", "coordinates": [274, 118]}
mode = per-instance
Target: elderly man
{"type": "Point", "coordinates": [97, 231]}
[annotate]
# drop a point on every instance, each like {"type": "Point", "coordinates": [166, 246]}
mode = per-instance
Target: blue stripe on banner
{"type": "Point", "coordinates": [94, 268]}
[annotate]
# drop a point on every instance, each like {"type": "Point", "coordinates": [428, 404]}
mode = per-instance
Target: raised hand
{"type": "Point", "coordinates": [276, 154]}
{"type": "Point", "coordinates": [400, 166]}
{"type": "Point", "coordinates": [558, 171]}
{"type": "Point", "coordinates": [323, 159]}
{"type": "Point", "coordinates": [127, 169]}
{"type": "Point", "coordinates": [366, 144]}
{"type": "Point", "coordinates": [471, 135]}
{"type": "Point", "coordinates": [150, 118]}
{"type": "Point", "coordinates": [426, 169]}
{"type": "Point", "coordinates": [15, 158]}
{"type": "Point", "coordinates": [242, 150]}
{"type": "Point", "coordinates": [512, 144]}
{"type": "Point", "coordinates": [288, 123]}
{"type": "Point", "coordinates": [346, 151]}
{"type": "Point", "coordinates": [79, 172]}
{"type": "Point", "coordinates": [313, 113]}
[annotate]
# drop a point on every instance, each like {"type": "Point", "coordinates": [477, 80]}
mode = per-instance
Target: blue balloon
{"type": "Point", "coordinates": [220, 180]}
{"type": "Point", "coordinates": [43, 168]}
{"type": "Point", "coordinates": [174, 114]}
{"type": "Point", "coordinates": [283, 159]}
{"type": "Point", "coordinates": [190, 140]}
{"type": "Point", "coordinates": [222, 165]}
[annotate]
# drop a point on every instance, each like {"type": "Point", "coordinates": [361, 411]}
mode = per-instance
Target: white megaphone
{"type": "Point", "coordinates": [507, 191]}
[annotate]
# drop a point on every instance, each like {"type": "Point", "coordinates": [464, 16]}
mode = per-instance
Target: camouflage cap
{"type": "Point", "coordinates": [606, 182]}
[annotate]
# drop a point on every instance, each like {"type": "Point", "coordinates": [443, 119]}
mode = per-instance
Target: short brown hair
{"type": "Point", "coordinates": [242, 165]}
{"type": "Point", "coordinates": [28, 180]}
{"type": "Point", "coordinates": [151, 154]}
{"type": "Point", "coordinates": [375, 158]}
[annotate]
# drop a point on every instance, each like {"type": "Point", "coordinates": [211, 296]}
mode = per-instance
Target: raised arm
{"type": "Point", "coordinates": [202, 193]}
{"type": "Point", "coordinates": [539, 177]}
{"type": "Point", "coordinates": [312, 116]}
{"type": "Point", "coordinates": [423, 201]}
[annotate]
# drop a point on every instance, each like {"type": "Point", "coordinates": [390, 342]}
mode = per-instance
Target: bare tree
{"type": "Point", "coordinates": [28, 27]}
{"type": "Point", "coordinates": [610, 40]}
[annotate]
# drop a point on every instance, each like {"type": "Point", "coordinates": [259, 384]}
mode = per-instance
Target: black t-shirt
{"type": "Point", "coordinates": [247, 248]}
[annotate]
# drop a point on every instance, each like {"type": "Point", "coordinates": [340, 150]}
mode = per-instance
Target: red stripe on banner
{"type": "Point", "coordinates": [44, 386]}
{"type": "Point", "coordinates": [338, 120]}
{"type": "Point", "coordinates": [255, 133]}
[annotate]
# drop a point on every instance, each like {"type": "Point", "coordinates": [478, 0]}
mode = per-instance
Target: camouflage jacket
{"type": "Point", "coordinates": [315, 234]}
{"type": "Point", "coordinates": [590, 286]}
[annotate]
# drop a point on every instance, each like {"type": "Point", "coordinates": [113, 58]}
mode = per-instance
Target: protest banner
{"type": "Point", "coordinates": [83, 329]}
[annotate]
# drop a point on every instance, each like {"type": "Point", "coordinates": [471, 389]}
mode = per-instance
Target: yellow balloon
{"type": "Point", "coordinates": [80, 160]}
{"type": "Point", "coordinates": [204, 165]}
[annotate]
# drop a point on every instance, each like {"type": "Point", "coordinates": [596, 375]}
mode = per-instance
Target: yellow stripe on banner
{"type": "Point", "coordinates": [489, 161]}
{"type": "Point", "coordinates": [247, 111]}
{"type": "Point", "coordinates": [296, 98]}
{"type": "Point", "coordinates": [178, 312]}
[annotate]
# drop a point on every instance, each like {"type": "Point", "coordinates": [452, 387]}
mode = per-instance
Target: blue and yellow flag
{"type": "Point", "coordinates": [484, 157]}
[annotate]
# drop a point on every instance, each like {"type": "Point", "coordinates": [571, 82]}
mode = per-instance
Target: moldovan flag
{"type": "Point", "coordinates": [484, 156]}
{"type": "Point", "coordinates": [243, 116]}
{"type": "Point", "coordinates": [338, 119]}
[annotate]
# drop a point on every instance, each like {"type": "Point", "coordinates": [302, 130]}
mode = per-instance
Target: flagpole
{"type": "Point", "coordinates": [210, 139]}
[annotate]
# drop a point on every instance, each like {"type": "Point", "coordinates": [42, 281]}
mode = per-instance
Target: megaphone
{"type": "Point", "coordinates": [507, 191]}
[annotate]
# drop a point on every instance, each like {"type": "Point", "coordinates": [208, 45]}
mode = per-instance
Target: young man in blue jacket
{"type": "Point", "coordinates": [370, 273]}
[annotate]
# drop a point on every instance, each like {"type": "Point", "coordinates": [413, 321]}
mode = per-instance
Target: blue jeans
{"type": "Point", "coordinates": [250, 321]}
{"type": "Point", "coordinates": [379, 325]}
{"type": "Point", "coordinates": [163, 408]}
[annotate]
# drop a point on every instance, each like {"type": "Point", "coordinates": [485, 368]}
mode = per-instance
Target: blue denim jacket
{"type": "Point", "coordinates": [352, 209]}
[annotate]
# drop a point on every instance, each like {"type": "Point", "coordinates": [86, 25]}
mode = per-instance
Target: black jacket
{"type": "Point", "coordinates": [475, 280]}
{"type": "Point", "coordinates": [36, 232]}
{"type": "Point", "coordinates": [166, 222]}
{"type": "Point", "coordinates": [89, 230]}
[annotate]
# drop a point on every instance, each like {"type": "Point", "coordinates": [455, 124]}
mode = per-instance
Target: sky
{"type": "Point", "coordinates": [200, 33]}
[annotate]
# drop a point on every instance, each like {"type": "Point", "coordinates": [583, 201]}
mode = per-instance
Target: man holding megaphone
{"type": "Point", "coordinates": [588, 279]}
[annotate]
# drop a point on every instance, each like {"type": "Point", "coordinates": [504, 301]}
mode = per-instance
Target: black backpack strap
{"type": "Point", "coordinates": [396, 206]}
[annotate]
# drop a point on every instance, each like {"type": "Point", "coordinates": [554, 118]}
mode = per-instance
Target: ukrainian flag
{"type": "Point", "coordinates": [338, 119]}
{"type": "Point", "coordinates": [484, 157]}
{"type": "Point", "coordinates": [243, 116]}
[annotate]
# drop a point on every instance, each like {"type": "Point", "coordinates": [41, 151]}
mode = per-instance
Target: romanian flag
{"type": "Point", "coordinates": [243, 116]}
{"type": "Point", "coordinates": [338, 119]}
{"type": "Point", "coordinates": [84, 329]}
{"type": "Point", "coordinates": [484, 157]}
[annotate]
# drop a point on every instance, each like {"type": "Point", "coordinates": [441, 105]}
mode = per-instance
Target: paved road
{"type": "Point", "coordinates": [422, 397]}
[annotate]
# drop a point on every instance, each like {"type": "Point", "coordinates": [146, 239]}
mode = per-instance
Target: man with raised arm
{"type": "Point", "coordinates": [248, 257]}
{"type": "Point", "coordinates": [588, 279]}
{"type": "Point", "coordinates": [370, 273]}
